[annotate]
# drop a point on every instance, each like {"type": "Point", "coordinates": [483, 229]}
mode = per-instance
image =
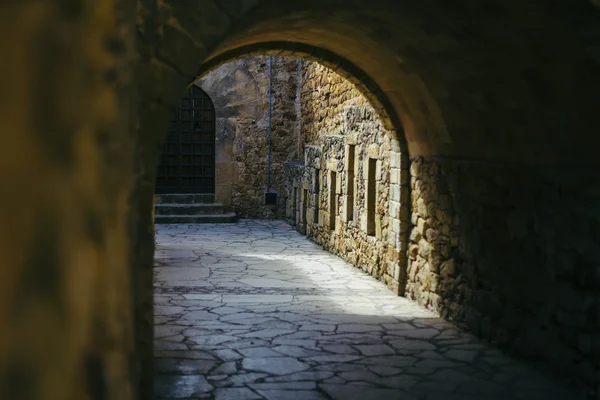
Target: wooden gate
{"type": "Point", "coordinates": [187, 163]}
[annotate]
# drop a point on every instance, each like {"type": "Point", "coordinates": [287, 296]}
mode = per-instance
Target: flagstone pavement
{"type": "Point", "coordinates": [254, 310]}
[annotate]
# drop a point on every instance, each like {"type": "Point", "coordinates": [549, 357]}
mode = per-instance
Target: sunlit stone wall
{"type": "Point", "coordinates": [344, 139]}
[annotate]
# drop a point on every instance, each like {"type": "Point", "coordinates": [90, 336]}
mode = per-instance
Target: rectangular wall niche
{"type": "Point", "coordinates": [304, 207]}
{"type": "Point", "coordinates": [371, 196]}
{"type": "Point", "coordinates": [333, 201]}
{"type": "Point", "coordinates": [316, 191]}
{"type": "Point", "coordinates": [350, 155]}
{"type": "Point", "coordinates": [295, 204]}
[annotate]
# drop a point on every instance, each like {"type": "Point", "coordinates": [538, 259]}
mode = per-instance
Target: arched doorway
{"type": "Point", "coordinates": [187, 163]}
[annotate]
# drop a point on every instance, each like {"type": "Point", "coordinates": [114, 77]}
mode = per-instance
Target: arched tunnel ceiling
{"type": "Point", "coordinates": [506, 80]}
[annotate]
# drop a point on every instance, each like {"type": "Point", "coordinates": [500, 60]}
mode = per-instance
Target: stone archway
{"type": "Point", "coordinates": [497, 122]}
{"type": "Point", "coordinates": [453, 101]}
{"type": "Point", "coordinates": [209, 82]}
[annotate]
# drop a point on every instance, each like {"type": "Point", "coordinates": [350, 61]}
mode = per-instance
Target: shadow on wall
{"type": "Point", "coordinates": [510, 254]}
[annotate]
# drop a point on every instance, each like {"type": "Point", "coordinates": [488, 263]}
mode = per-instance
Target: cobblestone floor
{"type": "Point", "coordinates": [254, 310]}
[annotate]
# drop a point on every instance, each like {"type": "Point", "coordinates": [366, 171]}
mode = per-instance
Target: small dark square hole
{"type": "Point", "coordinates": [270, 198]}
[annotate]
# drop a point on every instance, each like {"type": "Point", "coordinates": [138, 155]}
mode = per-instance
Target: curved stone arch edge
{"type": "Point", "coordinates": [376, 97]}
{"type": "Point", "coordinates": [359, 78]}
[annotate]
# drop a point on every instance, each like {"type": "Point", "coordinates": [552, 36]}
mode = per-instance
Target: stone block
{"type": "Point", "coordinates": [351, 117]}
{"type": "Point", "coordinates": [393, 239]}
{"type": "Point", "coordinates": [223, 194]}
{"type": "Point", "coordinates": [395, 225]}
{"type": "Point", "coordinates": [413, 251]}
{"type": "Point", "coordinates": [393, 254]}
{"type": "Point", "coordinates": [422, 226]}
{"type": "Point", "coordinates": [373, 152]}
{"type": "Point", "coordinates": [394, 209]}
{"type": "Point", "coordinates": [395, 193]}
{"type": "Point", "coordinates": [424, 249]}
{"type": "Point", "coordinates": [422, 208]}
{"type": "Point", "coordinates": [310, 212]}
{"type": "Point", "coordinates": [394, 176]}
{"type": "Point", "coordinates": [363, 223]}
{"type": "Point", "coordinates": [344, 214]}
{"type": "Point", "coordinates": [415, 236]}
{"type": "Point", "coordinates": [378, 223]}
{"type": "Point", "coordinates": [414, 218]}
{"type": "Point", "coordinates": [352, 138]}
{"type": "Point", "coordinates": [448, 269]}
{"type": "Point", "coordinates": [347, 162]}
{"type": "Point", "coordinates": [395, 160]}
{"type": "Point", "coordinates": [224, 173]}
{"type": "Point", "coordinates": [379, 171]}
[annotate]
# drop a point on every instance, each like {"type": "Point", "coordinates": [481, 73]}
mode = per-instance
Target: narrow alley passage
{"type": "Point", "coordinates": [254, 310]}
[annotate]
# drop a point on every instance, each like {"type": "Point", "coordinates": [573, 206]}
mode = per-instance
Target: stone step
{"type": "Point", "coordinates": [196, 219]}
{"type": "Point", "coordinates": [184, 198]}
{"type": "Point", "coordinates": [189, 209]}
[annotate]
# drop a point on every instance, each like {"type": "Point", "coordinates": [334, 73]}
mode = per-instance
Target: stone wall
{"type": "Point", "coordinates": [327, 196]}
{"type": "Point", "coordinates": [504, 251]}
{"type": "Point", "coordinates": [239, 90]}
{"type": "Point", "coordinates": [511, 254]}
{"type": "Point", "coordinates": [324, 97]}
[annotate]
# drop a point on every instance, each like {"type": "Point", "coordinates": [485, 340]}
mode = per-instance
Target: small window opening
{"type": "Point", "coordinates": [350, 183]}
{"type": "Point", "coordinates": [304, 206]}
{"type": "Point", "coordinates": [317, 198]}
{"type": "Point", "coordinates": [371, 196]}
{"type": "Point", "coordinates": [294, 205]}
{"type": "Point", "coordinates": [333, 201]}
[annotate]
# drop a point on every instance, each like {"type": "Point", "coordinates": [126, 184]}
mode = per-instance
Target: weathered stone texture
{"type": "Point", "coordinates": [460, 83]}
{"type": "Point", "coordinates": [324, 97]}
{"type": "Point", "coordinates": [239, 91]}
{"type": "Point", "coordinates": [510, 254]}
{"type": "Point", "coordinates": [334, 116]}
